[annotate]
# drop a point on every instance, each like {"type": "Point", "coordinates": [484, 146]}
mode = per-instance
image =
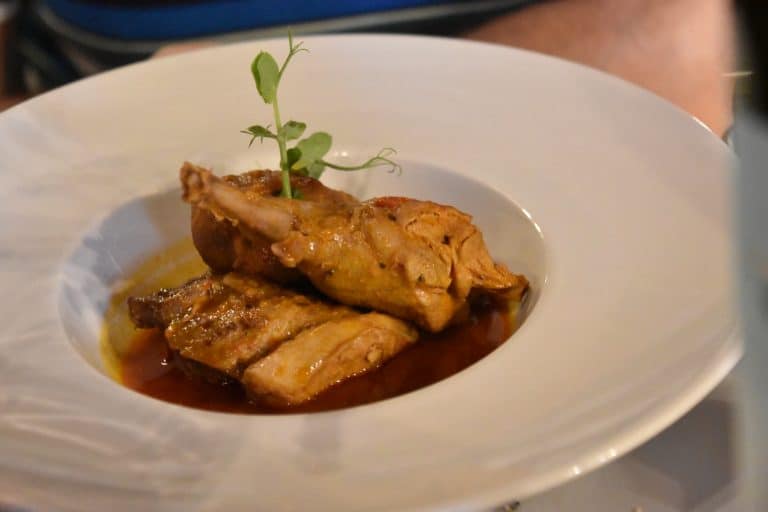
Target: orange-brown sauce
{"type": "Point", "coordinates": [149, 368]}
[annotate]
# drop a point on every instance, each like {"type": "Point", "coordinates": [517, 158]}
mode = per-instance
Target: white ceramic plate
{"type": "Point", "coordinates": [609, 199]}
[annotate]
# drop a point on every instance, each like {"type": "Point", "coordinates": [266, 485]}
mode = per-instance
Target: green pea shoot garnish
{"type": "Point", "coordinates": [307, 156]}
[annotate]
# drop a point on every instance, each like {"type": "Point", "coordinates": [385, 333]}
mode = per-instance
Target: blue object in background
{"type": "Point", "coordinates": [62, 40]}
{"type": "Point", "coordinates": [195, 19]}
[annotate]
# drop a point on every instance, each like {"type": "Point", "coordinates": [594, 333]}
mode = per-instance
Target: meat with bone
{"type": "Point", "coordinates": [416, 260]}
{"type": "Point", "coordinates": [225, 248]}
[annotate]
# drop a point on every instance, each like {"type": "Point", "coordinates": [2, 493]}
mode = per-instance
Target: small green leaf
{"type": "Point", "coordinates": [315, 170]}
{"type": "Point", "coordinates": [266, 74]}
{"type": "Point", "coordinates": [258, 132]}
{"type": "Point", "coordinates": [313, 148]}
{"type": "Point", "coordinates": [294, 129]}
{"type": "Point", "coordinates": [293, 155]}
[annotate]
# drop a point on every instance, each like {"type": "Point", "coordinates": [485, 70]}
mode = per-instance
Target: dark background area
{"type": "Point", "coordinates": [46, 44]}
{"type": "Point", "coordinates": [682, 50]}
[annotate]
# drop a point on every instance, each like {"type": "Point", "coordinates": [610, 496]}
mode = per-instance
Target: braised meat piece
{"type": "Point", "coordinates": [227, 322]}
{"type": "Point", "coordinates": [232, 322]}
{"type": "Point", "coordinates": [224, 248]}
{"type": "Point", "coordinates": [302, 367]}
{"type": "Point", "coordinates": [416, 260]}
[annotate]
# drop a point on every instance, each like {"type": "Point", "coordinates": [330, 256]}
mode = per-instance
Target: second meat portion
{"type": "Point", "coordinates": [285, 347]}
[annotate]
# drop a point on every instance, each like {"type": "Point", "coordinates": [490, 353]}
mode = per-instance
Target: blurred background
{"type": "Point", "coordinates": [47, 43]}
{"type": "Point", "coordinates": [680, 49]}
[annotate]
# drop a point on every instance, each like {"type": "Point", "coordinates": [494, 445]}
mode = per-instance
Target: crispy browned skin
{"type": "Point", "coordinates": [229, 323]}
{"type": "Point", "coordinates": [169, 304]}
{"type": "Point", "coordinates": [416, 260]}
{"type": "Point", "coordinates": [224, 247]}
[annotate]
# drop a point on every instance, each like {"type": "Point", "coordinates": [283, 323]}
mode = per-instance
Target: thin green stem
{"type": "Point", "coordinates": [373, 162]}
{"type": "Point", "coordinates": [281, 139]}
{"type": "Point", "coordinates": [286, 173]}
{"type": "Point", "coordinates": [360, 167]}
{"type": "Point", "coordinates": [292, 50]}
